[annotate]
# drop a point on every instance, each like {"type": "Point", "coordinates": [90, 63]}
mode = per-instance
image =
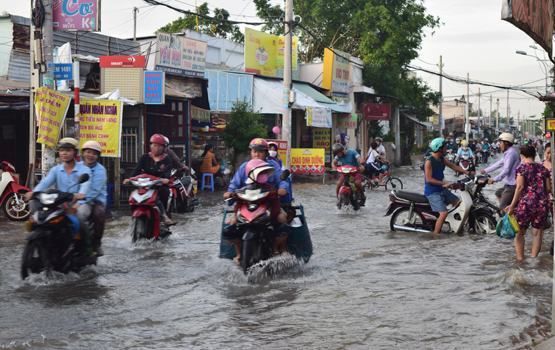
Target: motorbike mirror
{"type": "Point", "coordinates": [84, 178]}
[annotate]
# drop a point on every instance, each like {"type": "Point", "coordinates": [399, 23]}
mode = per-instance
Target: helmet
{"type": "Point", "coordinates": [159, 139]}
{"type": "Point", "coordinates": [68, 142]}
{"type": "Point", "coordinates": [95, 146]}
{"type": "Point", "coordinates": [272, 143]}
{"type": "Point", "coordinates": [437, 144]}
{"type": "Point", "coordinates": [378, 139]}
{"type": "Point", "coordinates": [507, 137]}
{"type": "Point", "coordinates": [458, 140]}
{"type": "Point", "coordinates": [464, 143]}
{"type": "Point", "coordinates": [258, 144]}
{"type": "Point", "coordinates": [336, 148]}
{"type": "Point", "coordinates": [258, 171]}
{"type": "Point", "coordinates": [166, 140]}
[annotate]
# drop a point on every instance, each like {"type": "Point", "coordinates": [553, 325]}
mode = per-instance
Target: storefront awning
{"type": "Point", "coordinates": [418, 122]}
{"type": "Point", "coordinates": [268, 97]}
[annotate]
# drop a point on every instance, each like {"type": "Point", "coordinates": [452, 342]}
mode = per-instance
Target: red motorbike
{"type": "Point", "coordinates": [348, 193]}
{"type": "Point", "coordinates": [12, 192]}
{"type": "Point", "coordinates": [145, 212]}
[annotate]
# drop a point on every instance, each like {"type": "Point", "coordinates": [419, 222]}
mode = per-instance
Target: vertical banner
{"type": "Point", "coordinates": [321, 138]}
{"type": "Point", "coordinates": [318, 117]}
{"type": "Point", "coordinates": [51, 108]}
{"type": "Point", "coordinates": [154, 90]}
{"type": "Point", "coordinates": [336, 74]}
{"type": "Point", "coordinates": [101, 121]}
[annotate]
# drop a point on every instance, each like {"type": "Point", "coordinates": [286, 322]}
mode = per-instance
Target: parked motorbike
{"type": "Point", "coordinates": [411, 212]}
{"type": "Point", "coordinates": [183, 192]}
{"type": "Point", "coordinates": [145, 212]}
{"type": "Point", "coordinates": [11, 198]}
{"type": "Point", "coordinates": [348, 193]}
{"type": "Point", "coordinates": [54, 243]}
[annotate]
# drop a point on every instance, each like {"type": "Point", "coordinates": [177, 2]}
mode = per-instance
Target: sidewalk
{"type": "Point", "coordinates": [548, 344]}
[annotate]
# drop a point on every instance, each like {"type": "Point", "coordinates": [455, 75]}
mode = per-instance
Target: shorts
{"type": "Point", "coordinates": [505, 195]}
{"type": "Point", "coordinates": [439, 200]}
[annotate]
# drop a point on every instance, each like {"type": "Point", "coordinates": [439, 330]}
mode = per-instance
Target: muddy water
{"type": "Point", "coordinates": [364, 287]}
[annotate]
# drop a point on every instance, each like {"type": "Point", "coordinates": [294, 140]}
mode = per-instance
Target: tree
{"type": "Point", "coordinates": [218, 27]}
{"type": "Point", "coordinates": [244, 125]}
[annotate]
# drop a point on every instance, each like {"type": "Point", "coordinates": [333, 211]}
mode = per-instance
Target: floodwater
{"type": "Point", "coordinates": [364, 288]}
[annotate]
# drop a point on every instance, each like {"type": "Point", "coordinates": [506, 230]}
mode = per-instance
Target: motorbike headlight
{"type": "Point", "coordinates": [48, 198]}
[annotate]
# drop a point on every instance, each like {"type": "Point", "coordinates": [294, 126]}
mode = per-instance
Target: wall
{"type": "Point", "coordinates": [6, 32]}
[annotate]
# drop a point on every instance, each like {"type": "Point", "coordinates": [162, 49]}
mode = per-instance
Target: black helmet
{"type": "Point", "coordinates": [336, 148]}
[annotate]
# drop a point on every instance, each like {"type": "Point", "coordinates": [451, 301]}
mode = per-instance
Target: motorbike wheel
{"type": "Point", "coordinates": [15, 211]}
{"type": "Point", "coordinates": [355, 201]}
{"type": "Point", "coordinates": [483, 223]}
{"type": "Point", "coordinates": [250, 253]}
{"type": "Point", "coordinates": [393, 183]}
{"type": "Point", "coordinates": [401, 218]}
{"type": "Point", "coordinates": [34, 259]}
{"type": "Point", "coordinates": [139, 229]}
{"type": "Point", "coordinates": [343, 200]}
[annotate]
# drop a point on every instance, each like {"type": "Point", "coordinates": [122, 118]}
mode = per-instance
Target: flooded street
{"type": "Point", "coordinates": [364, 288]}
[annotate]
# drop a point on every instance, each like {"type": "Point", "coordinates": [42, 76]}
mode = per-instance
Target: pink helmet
{"type": "Point", "coordinates": [159, 139]}
{"type": "Point", "coordinates": [258, 144]}
{"type": "Point", "coordinates": [258, 171]}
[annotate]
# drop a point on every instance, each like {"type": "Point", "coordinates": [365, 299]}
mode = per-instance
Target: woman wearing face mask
{"type": "Point", "coordinates": [273, 153]}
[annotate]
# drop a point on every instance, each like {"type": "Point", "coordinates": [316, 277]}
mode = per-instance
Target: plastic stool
{"type": "Point", "coordinates": [210, 177]}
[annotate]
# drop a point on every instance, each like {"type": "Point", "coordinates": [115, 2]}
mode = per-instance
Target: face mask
{"type": "Point", "coordinates": [273, 154]}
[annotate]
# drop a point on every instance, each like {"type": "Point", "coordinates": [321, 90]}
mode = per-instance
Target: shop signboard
{"type": "Point", "coordinates": [376, 111]}
{"type": "Point", "coordinates": [319, 117]}
{"type": "Point", "coordinates": [348, 121]}
{"type": "Point", "coordinates": [321, 138]}
{"type": "Point", "coordinates": [308, 161]}
{"type": "Point", "coordinates": [62, 71]}
{"type": "Point", "coordinates": [264, 53]}
{"type": "Point", "coordinates": [534, 17]}
{"type": "Point", "coordinates": [282, 151]}
{"type": "Point", "coordinates": [78, 15]}
{"type": "Point", "coordinates": [181, 56]}
{"type": "Point", "coordinates": [51, 108]}
{"type": "Point", "coordinates": [101, 121]}
{"type": "Point", "coordinates": [154, 92]}
{"type": "Point", "coordinates": [336, 75]}
{"type": "Point", "coordinates": [122, 61]}
{"type": "Point", "coordinates": [550, 124]}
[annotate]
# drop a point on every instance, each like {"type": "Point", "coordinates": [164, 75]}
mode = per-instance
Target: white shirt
{"type": "Point", "coordinates": [381, 150]}
{"type": "Point", "coordinates": [372, 155]}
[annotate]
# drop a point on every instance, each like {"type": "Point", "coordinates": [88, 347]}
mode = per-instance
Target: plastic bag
{"type": "Point", "coordinates": [507, 227]}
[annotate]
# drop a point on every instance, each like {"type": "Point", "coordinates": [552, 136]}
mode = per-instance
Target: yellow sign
{"type": "Point", "coordinates": [264, 53]}
{"type": "Point", "coordinates": [51, 108]}
{"type": "Point", "coordinates": [550, 124]}
{"type": "Point", "coordinates": [101, 120]}
{"type": "Point", "coordinates": [308, 160]}
{"type": "Point", "coordinates": [337, 72]}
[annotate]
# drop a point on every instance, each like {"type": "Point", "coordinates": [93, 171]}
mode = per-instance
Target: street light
{"type": "Point", "coordinates": [545, 68]}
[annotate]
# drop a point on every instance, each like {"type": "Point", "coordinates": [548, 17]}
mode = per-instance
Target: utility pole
{"type": "Point", "coordinates": [467, 108]}
{"type": "Point", "coordinates": [497, 118]}
{"type": "Point", "coordinates": [508, 111]}
{"type": "Point", "coordinates": [34, 85]}
{"type": "Point", "coordinates": [490, 110]}
{"type": "Point", "coordinates": [287, 78]}
{"type": "Point", "coordinates": [440, 117]}
{"type": "Point", "coordinates": [135, 11]}
{"type": "Point", "coordinates": [479, 111]}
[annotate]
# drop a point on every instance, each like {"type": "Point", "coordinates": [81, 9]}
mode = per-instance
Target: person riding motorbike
{"type": "Point", "coordinates": [464, 150]}
{"type": "Point", "coordinates": [95, 201]}
{"type": "Point", "coordinates": [176, 162]}
{"type": "Point", "coordinates": [273, 153]}
{"type": "Point", "coordinates": [486, 149]}
{"type": "Point", "coordinates": [157, 163]}
{"type": "Point", "coordinates": [435, 187]}
{"type": "Point", "coordinates": [65, 178]}
{"type": "Point", "coordinates": [348, 157]}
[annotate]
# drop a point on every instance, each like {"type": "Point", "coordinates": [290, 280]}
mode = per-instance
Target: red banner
{"type": "Point", "coordinates": [376, 111]}
{"type": "Point", "coordinates": [122, 62]}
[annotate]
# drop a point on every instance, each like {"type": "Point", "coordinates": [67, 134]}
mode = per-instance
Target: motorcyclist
{"type": "Point", "coordinates": [464, 150]}
{"type": "Point", "coordinates": [157, 163]}
{"type": "Point", "coordinates": [435, 187]}
{"type": "Point", "coordinates": [273, 153]}
{"type": "Point", "coordinates": [65, 178]}
{"type": "Point", "coordinates": [486, 147]}
{"type": "Point", "coordinates": [344, 156]}
{"type": "Point", "coordinates": [95, 202]}
{"type": "Point", "coordinates": [176, 162]}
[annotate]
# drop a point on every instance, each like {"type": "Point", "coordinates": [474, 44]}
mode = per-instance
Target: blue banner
{"type": "Point", "coordinates": [154, 93]}
{"type": "Point", "coordinates": [62, 71]}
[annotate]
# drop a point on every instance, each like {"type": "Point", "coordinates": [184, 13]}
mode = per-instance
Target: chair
{"type": "Point", "coordinates": [210, 177]}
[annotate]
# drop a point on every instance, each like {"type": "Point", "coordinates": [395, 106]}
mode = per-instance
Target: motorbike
{"type": "Point", "coordinates": [450, 156]}
{"type": "Point", "coordinates": [54, 243]}
{"type": "Point", "coordinates": [348, 193]}
{"type": "Point", "coordinates": [183, 192]}
{"type": "Point", "coordinates": [11, 198]}
{"type": "Point", "coordinates": [411, 212]}
{"type": "Point", "coordinates": [254, 222]}
{"type": "Point", "coordinates": [484, 215]}
{"type": "Point", "coordinates": [466, 163]}
{"type": "Point", "coordinates": [144, 211]}
{"type": "Point", "coordinates": [479, 157]}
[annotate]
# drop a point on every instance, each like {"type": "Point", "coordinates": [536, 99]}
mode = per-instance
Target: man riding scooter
{"type": "Point", "coordinates": [65, 178]}
{"type": "Point", "coordinates": [95, 201]}
{"type": "Point", "coordinates": [348, 157]}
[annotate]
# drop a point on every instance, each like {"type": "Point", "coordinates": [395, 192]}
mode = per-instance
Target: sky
{"type": "Point", "coordinates": [472, 39]}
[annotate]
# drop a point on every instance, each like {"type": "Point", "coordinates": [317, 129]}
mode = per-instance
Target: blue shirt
{"type": "Point", "coordinates": [438, 166]}
{"type": "Point", "coordinates": [463, 152]}
{"type": "Point", "coordinates": [485, 147]}
{"type": "Point", "coordinates": [58, 178]}
{"type": "Point", "coordinates": [349, 158]}
{"type": "Point", "coordinates": [97, 190]}
{"type": "Point", "coordinates": [286, 185]}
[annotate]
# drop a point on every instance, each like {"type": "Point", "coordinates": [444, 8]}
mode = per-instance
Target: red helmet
{"type": "Point", "coordinates": [258, 144]}
{"type": "Point", "coordinates": [159, 139]}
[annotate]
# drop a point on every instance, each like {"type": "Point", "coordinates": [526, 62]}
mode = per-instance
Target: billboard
{"type": "Point", "coordinates": [308, 161]}
{"type": "Point", "coordinates": [376, 111]}
{"type": "Point", "coordinates": [336, 75]}
{"type": "Point", "coordinates": [534, 17]}
{"type": "Point", "coordinates": [81, 15]}
{"type": "Point", "coordinates": [319, 117]}
{"type": "Point", "coordinates": [181, 56]}
{"type": "Point", "coordinates": [264, 53]}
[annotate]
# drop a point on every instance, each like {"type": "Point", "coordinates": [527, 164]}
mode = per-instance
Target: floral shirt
{"type": "Point", "coordinates": [536, 177]}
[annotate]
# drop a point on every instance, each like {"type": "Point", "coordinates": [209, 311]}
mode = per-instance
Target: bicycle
{"type": "Point", "coordinates": [388, 181]}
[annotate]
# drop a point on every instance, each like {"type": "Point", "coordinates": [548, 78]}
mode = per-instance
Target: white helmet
{"type": "Point", "coordinates": [507, 137]}
{"type": "Point", "coordinates": [95, 146]}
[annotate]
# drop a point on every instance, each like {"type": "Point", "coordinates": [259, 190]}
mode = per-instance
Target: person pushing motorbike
{"type": "Point", "coordinates": [435, 187]}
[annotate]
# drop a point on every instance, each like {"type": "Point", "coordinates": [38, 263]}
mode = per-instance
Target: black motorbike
{"type": "Point", "coordinates": [183, 187]}
{"type": "Point", "coordinates": [54, 243]}
{"type": "Point", "coordinates": [484, 215]}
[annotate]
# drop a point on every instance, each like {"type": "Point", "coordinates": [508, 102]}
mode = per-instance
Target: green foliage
{"type": "Point", "coordinates": [215, 28]}
{"type": "Point", "coordinates": [244, 125]}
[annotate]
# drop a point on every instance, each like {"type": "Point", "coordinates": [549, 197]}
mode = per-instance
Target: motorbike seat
{"type": "Point", "coordinates": [411, 197]}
